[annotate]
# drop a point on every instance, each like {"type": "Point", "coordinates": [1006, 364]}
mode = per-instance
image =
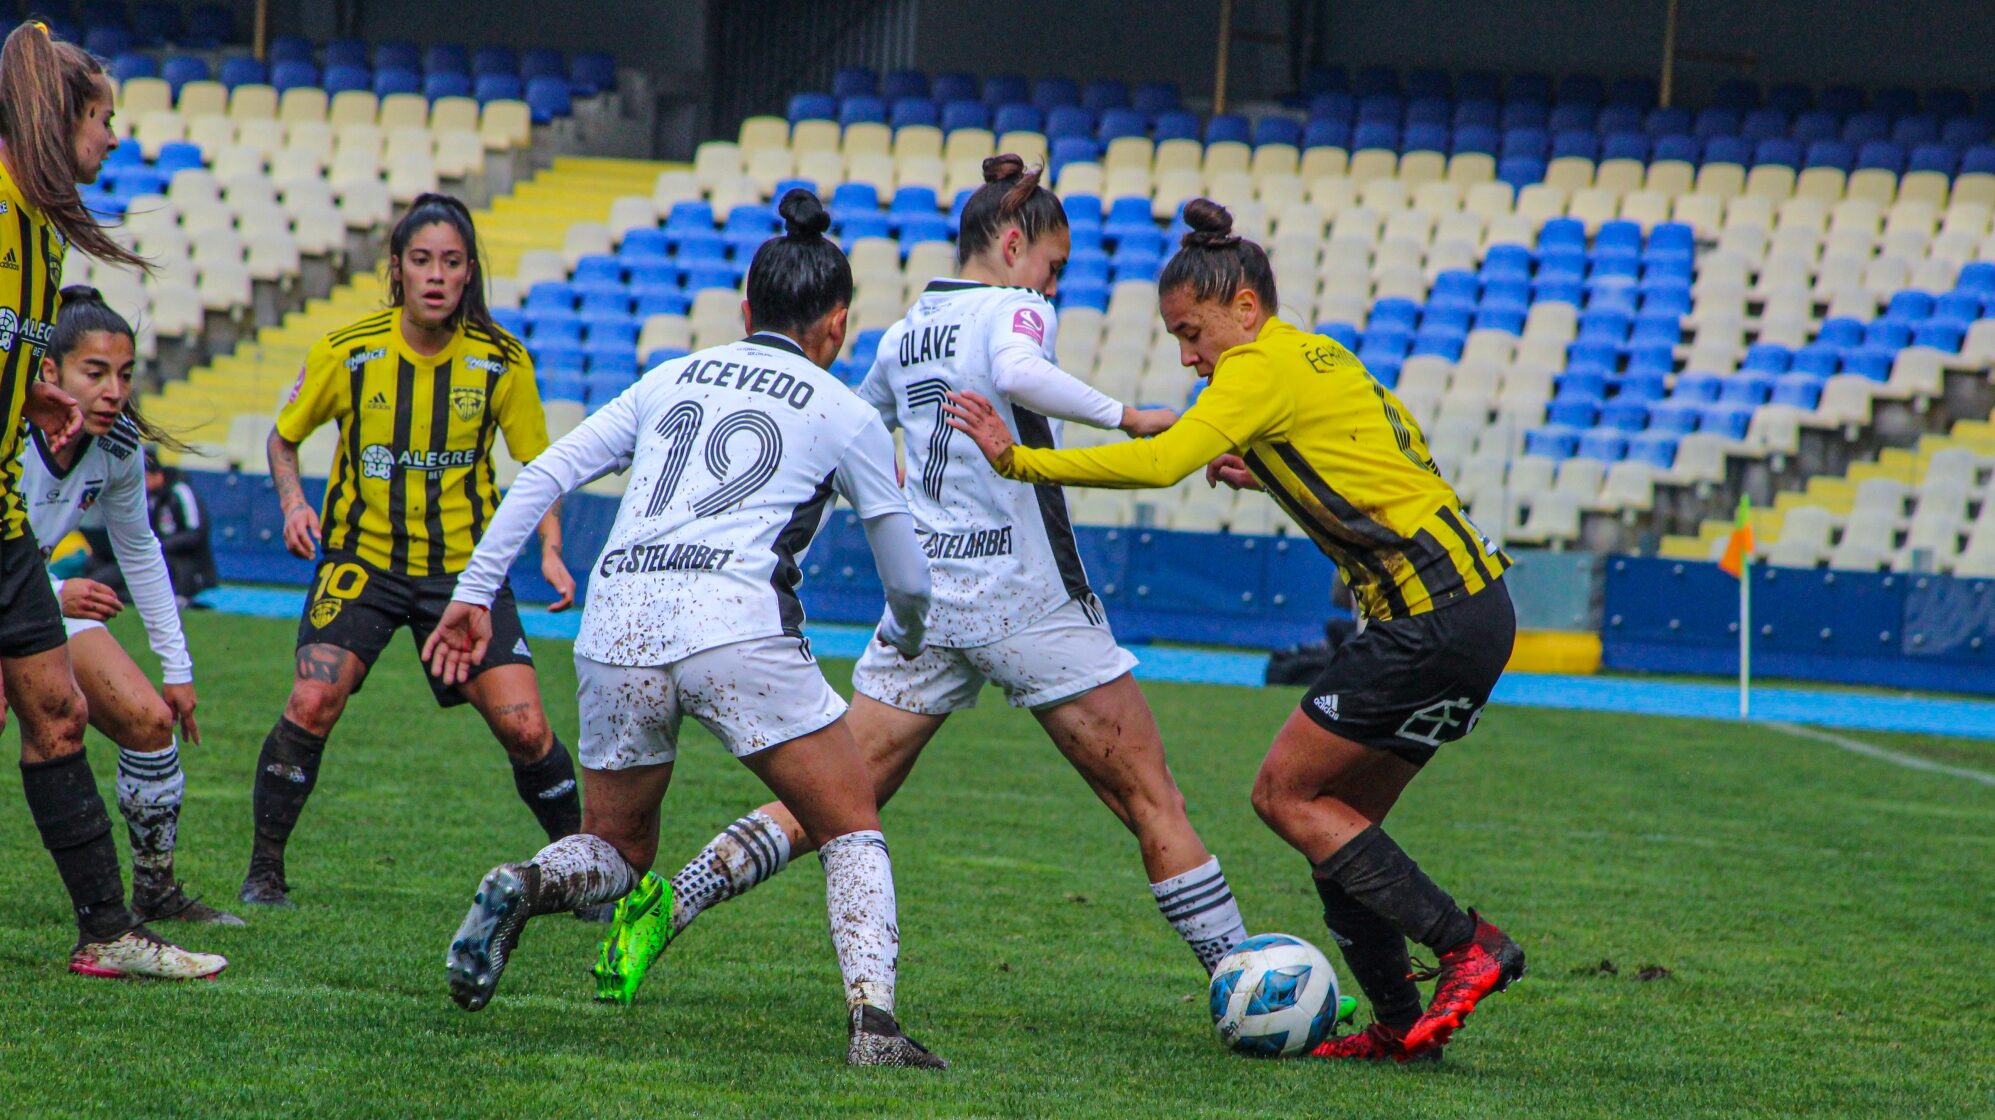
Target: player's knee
{"type": "Point", "coordinates": [153, 730]}
{"type": "Point", "coordinates": [524, 736]}
{"type": "Point", "coordinates": [314, 706]}
{"type": "Point", "coordinates": [52, 724]}
{"type": "Point", "coordinates": [637, 844]}
{"type": "Point", "coordinates": [1269, 798]}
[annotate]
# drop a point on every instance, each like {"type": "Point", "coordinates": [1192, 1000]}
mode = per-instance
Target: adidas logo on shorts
{"type": "Point", "coordinates": [519, 649]}
{"type": "Point", "coordinates": [1328, 705]}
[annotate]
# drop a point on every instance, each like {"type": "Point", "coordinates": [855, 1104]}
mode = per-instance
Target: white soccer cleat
{"type": "Point", "coordinates": [140, 954]}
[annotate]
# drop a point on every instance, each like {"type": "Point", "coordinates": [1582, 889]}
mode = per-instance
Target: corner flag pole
{"type": "Point", "coordinates": [1745, 620]}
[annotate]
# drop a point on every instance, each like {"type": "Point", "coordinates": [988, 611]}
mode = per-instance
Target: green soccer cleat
{"type": "Point", "coordinates": [641, 930]}
{"type": "Point", "coordinates": [1347, 1011]}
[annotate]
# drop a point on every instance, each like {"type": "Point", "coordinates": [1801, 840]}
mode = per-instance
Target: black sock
{"type": "Point", "coordinates": [1376, 873]}
{"type": "Point", "coordinates": [286, 771]}
{"type": "Point", "coordinates": [1376, 955]}
{"type": "Point", "coordinates": [547, 785]}
{"type": "Point", "coordinates": [76, 830]}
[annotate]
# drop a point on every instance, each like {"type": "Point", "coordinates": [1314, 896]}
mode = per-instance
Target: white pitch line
{"type": "Point", "coordinates": [1857, 746]}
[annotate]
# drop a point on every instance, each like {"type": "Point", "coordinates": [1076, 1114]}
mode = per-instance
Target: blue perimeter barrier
{"type": "Point", "coordinates": [1896, 629]}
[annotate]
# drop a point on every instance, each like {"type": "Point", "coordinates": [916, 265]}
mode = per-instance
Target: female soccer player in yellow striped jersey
{"type": "Point", "coordinates": [419, 391]}
{"type": "Point", "coordinates": [55, 125]}
{"type": "Point", "coordinates": [1296, 415]}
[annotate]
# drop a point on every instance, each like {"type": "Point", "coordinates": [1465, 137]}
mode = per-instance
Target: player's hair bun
{"type": "Point", "coordinates": [1211, 225]}
{"type": "Point", "coordinates": [82, 293]}
{"type": "Point", "coordinates": [1006, 165]}
{"type": "Point", "coordinates": [804, 217]}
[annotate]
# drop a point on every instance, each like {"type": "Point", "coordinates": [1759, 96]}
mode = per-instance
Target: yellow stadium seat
{"type": "Point", "coordinates": [1324, 163]}
{"type": "Point", "coordinates": [399, 109]}
{"type": "Point", "coordinates": [198, 99]}
{"type": "Point", "coordinates": [505, 124]}
{"type": "Point", "coordinates": [302, 103]}
{"type": "Point", "coordinates": [140, 96]}
{"type": "Point", "coordinates": [247, 102]}
{"type": "Point", "coordinates": [354, 106]}
{"type": "Point", "coordinates": [764, 132]}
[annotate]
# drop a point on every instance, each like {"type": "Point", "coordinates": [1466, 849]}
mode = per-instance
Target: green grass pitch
{"type": "Point", "coordinates": [1824, 919]}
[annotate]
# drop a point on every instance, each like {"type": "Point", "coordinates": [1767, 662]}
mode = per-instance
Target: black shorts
{"type": "Point", "coordinates": [30, 616]}
{"type": "Point", "coordinates": [1410, 684]}
{"type": "Point", "coordinates": [358, 607]}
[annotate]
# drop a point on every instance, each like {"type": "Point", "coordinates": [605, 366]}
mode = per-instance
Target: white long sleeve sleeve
{"type": "Point", "coordinates": [1021, 372]}
{"type": "Point", "coordinates": [602, 443]}
{"type": "Point", "coordinates": [143, 563]}
{"type": "Point", "coordinates": [865, 478]}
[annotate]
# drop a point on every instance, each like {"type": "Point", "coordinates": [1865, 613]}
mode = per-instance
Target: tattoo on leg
{"type": "Point", "coordinates": [504, 710]}
{"type": "Point", "coordinates": [321, 663]}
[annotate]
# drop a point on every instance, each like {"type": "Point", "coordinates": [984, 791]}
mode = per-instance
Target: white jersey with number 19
{"type": "Point", "coordinates": [734, 453]}
{"type": "Point", "coordinates": [1002, 554]}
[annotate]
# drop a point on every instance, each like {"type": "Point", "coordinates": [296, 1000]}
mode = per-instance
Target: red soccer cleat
{"type": "Point", "coordinates": [1486, 963]}
{"type": "Point", "coordinates": [1376, 1043]}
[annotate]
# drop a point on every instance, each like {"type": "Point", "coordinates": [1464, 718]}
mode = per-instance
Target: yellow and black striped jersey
{"type": "Point", "coordinates": [412, 486]}
{"type": "Point", "coordinates": [30, 282]}
{"type": "Point", "coordinates": [1334, 448]}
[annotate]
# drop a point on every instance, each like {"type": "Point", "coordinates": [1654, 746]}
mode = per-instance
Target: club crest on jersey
{"type": "Point", "coordinates": [89, 497]}
{"type": "Point", "coordinates": [324, 611]}
{"type": "Point", "coordinates": [376, 461]}
{"type": "Point", "coordinates": [468, 400]}
{"type": "Point", "coordinates": [10, 328]}
{"type": "Point", "coordinates": [1027, 322]}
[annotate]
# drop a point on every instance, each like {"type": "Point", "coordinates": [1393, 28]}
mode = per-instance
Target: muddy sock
{"type": "Point", "coordinates": [150, 788]}
{"type": "Point", "coordinates": [865, 928]}
{"type": "Point", "coordinates": [578, 870]}
{"type": "Point", "coordinates": [69, 812]}
{"type": "Point", "coordinates": [1200, 906]}
{"type": "Point", "coordinates": [286, 771]}
{"type": "Point", "coordinates": [745, 853]}
{"type": "Point", "coordinates": [1375, 953]}
{"type": "Point", "coordinates": [547, 785]}
{"type": "Point", "coordinates": [1376, 873]}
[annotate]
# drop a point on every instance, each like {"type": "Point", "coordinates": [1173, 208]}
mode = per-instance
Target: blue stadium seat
{"type": "Point", "coordinates": [1767, 357]}
{"type": "Point", "coordinates": [131, 65]}
{"type": "Point", "coordinates": [1479, 113]}
{"type": "Point", "coordinates": [345, 52]}
{"type": "Point", "coordinates": [909, 111]}
{"type": "Point", "coordinates": [1530, 143]}
{"type": "Point", "coordinates": [243, 71]}
{"type": "Point", "coordinates": [1227, 127]}
{"type": "Point", "coordinates": [1646, 385]}
{"type": "Point", "coordinates": [1818, 358]}
{"type": "Point", "coordinates": [1797, 390]}
{"type": "Point", "coordinates": [1277, 130]}
{"type": "Point", "coordinates": [396, 55]}
{"type": "Point", "coordinates": [1103, 94]}
{"type": "Point", "coordinates": [1320, 132]}
{"type": "Point", "coordinates": [1625, 145]}
{"type": "Point", "coordinates": [899, 84]}
{"type": "Point", "coordinates": [855, 81]}
{"type": "Point", "coordinates": [1128, 217]}
{"type": "Point", "coordinates": [650, 273]}
{"type": "Point", "coordinates": [1625, 413]}
{"type": "Point", "coordinates": [1696, 387]}
{"type": "Point", "coordinates": [1017, 116]}
{"type": "Point", "coordinates": [861, 108]}
{"type": "Point", "coordinates": [1683, 148]}
{"type": "Point", "coordinates": [591, 72]}
{"type": "Point", "coordinates": [1942, 158]}
{"type": "Point", "coordinates": [1004, 89]}
{"type": "Point", "coordinates": [1564, 118]}
{"type": "Point", "coordinates": [1862, 128]}
{"type": "Point", "coordinates": [1674, 416]}
{"type": "Point", "coordinates": [1152, 98]}
{"type": "Point", "coordinates": [812, 107]}
{"type": "Point", "coordinates": [1727, 420]}
{"type": "Point", "coordinates": [1176, 124]}
{"type": "Point", "coordinates": [1920, 128]}
{"type": "Point", "coordinates": [1778, 150]}
{"type": "Point", "coordinates": [1716, 120]}
{"type": "Point", "coordinates": [1979, 160]}
{"type": "Point", "coordinates": [1120, 122]}
{"type": "Point", "coordinates": [1830, 153]}
{"type": "Point", "coordinates": [446, 58]}
{"type": "Point", "coordinates": [1440, 342]}
{"type": "Point", "coordinates": [289, 48]}
{"type": "Point", "coordinates": [1475, 138]}
{"type": "Point", "coordinates": [1425, 138]}
{"type": "Point", "coordinates": [655, 301]}
{"type": "Point", "coordinates": [1454, 287]}
{"type": "Point", "coordinates": [1394, 314]}
{"type": "Point", "coordinates": [917, 228]}
{"type": "Point", "coordinates": [1520, 171]}
{"type": "Point", "coordinates": [1882, 154]}
{"type": "Point", "coordinates": [1428, 110]}
{"type": "Point", "coordinates": [1959, 307]}
{"type": "Point", "coordinates": [1072, 149]}
{"type": "Point", "coordinates": [1344, 334]}
{"type": "Point", "coordinates": [1841, 331]}
{"type": "Point", "coordinates": [1652, 328]}
{"type": "Point", "coordinates": [550, 295]}
{"type": "Point", "coordinates": [1910, 305]}
{"type": "Point", "coordinates": [1940, 335]}
{"type": "Point", "coordinates": [597, 269]}
{"type": "Point", "coordinates": [1747, 387]}
{"type": "Point", "coordinates": [396, 80]}
{"type": "Point", "coordinates": [1375, 134]}
{"type": "Point", "coordinates": [443, 83]}
{"type": "Point", "coordinates": [1964, 132]}
{"type": "Point", "coordinates": [341, 79]}
{"type": "Point", "coordinates": [1510, 319]}
{"type": "Point", "coordinates": [1572, 142]}
{"type": "Point", "coordinates": [1055, 92]}
{"type": "Point", "coordinates": [1063, 121]}
{"type": "Point", "coordinates": [1619, 118]}
{"type": "Point", "coordinates": [695, 214]}
{"type": "Point", "coordinates": [1552, 442]}
{"type": "Point", "coordinates": [180, 69]}
{"type": "Point", "coordinates": [1336, 105]}
{"type": "Point", "coordinates": [291, 75]}
{"type": "Point", "coordinates": [177, 155]}
{"type": "Point", "coordinates": [1729, 149]}
{"type": "Point", "coordinates": [1763, 124]}
{"type": "Point", "coordinates": [955, 85]}
{"type": "Point", "coordinates": [1674, 120]}
{"type": "Point", "coordinates": [1657, 449]}
{"type": "Point", "coordinates": [965, 113]}
{"type": "Point", "coordinates": [1816, 124]}
{"type": "Point", "coordinates": [1605, 444]}
{"type": "Point", "coordinates": [547, 98]}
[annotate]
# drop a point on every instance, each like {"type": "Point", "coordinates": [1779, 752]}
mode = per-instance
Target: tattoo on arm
{"type": "Point", "coordinates": [550, 527]}
{"type": "Point", "coordinates": [321, 663]}
{"type": "Point", "coordinates": [284, 471]}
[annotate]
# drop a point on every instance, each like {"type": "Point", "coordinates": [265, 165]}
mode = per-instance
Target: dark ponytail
{"type": "Point", "coordinates": [432, 209]}
{"type": "Point", "coordinates": [84, 312]}
{"type": "Point", "coordinates": [1214, 262]}
{"type": "Point", "coordinates": [1010, 196]}
{"type": "Point", "coordinates": [45, 88]}
{"type": "Point", "coordinates": [798, 276]}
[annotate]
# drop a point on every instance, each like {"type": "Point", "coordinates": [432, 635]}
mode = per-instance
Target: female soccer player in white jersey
{"type": "Point", "coordinates": [89, 357]}
{"type": "Point", "coordinates": [1012, 602]}
{"type": "Point", "coordinates": [735, 454]}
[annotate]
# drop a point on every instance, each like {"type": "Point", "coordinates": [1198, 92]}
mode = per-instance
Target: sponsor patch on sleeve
{"type": "Point", "coordinates": [1027, 322]}
{"type": "Point", "coordinates": [296, 386]}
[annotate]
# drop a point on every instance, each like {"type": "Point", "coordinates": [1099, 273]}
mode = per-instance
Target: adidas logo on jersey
{"type": "Point", "coordinates": [10, 261]}
{"type": "Point", "coordinates": [379, 400]}
{"type": "Point", "coordinates": [1328, 705]}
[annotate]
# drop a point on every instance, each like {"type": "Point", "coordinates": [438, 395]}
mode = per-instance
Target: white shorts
{"type": "Point", "coordinates": [1059, 657]}
{"type": "Point", "coordinates": [752, 695]}
{"type": "Point", "coordinates": [71, 627]}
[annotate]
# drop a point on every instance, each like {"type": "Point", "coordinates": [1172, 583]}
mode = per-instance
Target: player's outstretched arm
{"type": "Point", "coordinates": [866, 479]}
{"type": "Point", "coordinates": [1136, 465]}
{"type": "Point", "coordinates": [55, 412]}
{"type": "Point", "coordinates": [1022, 373]}
{"type": "Point", "coordinates": [458, 643]}
{"type": "Point", "coordinates": [301, 521]}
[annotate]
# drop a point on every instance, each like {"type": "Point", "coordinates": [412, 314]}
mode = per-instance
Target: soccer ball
{"type": "Point", "coordinates": [1274, 996]}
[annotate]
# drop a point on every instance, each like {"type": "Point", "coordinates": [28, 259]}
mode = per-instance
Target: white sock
{"type": "Point", "coordinates": [150, 787]}
{"type": "Point", "coordinates": [745, 853]}
{"type": "Point", "coordinates": [865, 929]}
{"type": "Point", "coordinates": [1200, 906]}
{"type": "Point", "coordinates": [580, 870]}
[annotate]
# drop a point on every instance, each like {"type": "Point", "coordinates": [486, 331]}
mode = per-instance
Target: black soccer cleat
{"type": "Point", "coordinates": [876, 1040]}
{"type": "Point", "coordinates": [604, 912]}
{"type": "Point", "coordinates": [265, 885]}
{"type": "Point", "coordinates": [485, 940]}
{"type": "Point", "coordinates": [159, 900]}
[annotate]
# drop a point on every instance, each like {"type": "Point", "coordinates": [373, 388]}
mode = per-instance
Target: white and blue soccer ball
{"type": "Point", "coordinates": [1274, 996]}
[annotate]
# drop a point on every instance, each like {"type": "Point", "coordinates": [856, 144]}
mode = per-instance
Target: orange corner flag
{"type": "Point", "coordinates": [1739, 546]}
